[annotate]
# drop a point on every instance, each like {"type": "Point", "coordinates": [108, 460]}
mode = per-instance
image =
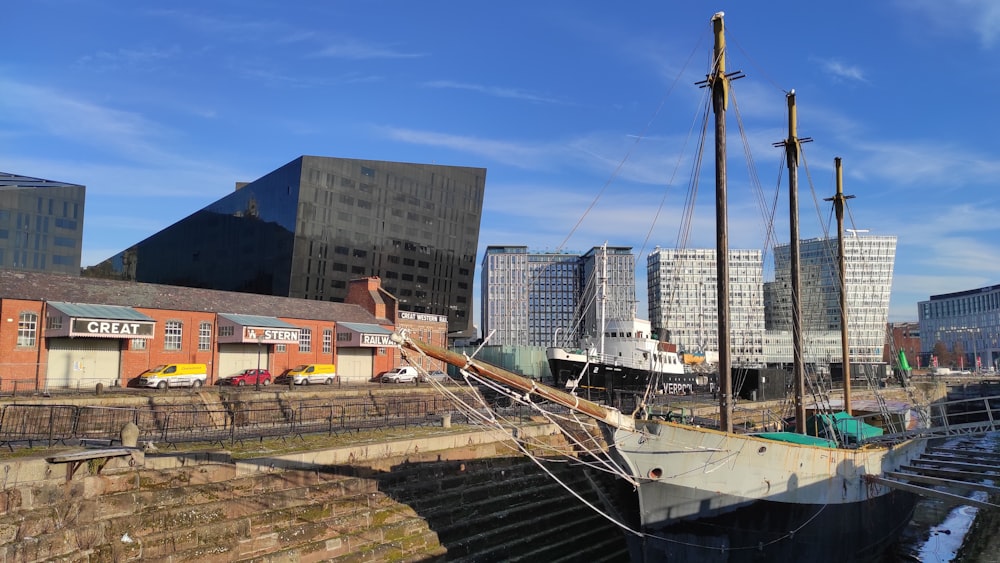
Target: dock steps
{"type": "Point", "coordinates": [942, 473]}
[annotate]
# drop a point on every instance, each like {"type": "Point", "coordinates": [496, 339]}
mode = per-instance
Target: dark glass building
{"type": "Point", "coordinates": [307, 228]}
{"type": "Point", "coordinates": [41, 224]}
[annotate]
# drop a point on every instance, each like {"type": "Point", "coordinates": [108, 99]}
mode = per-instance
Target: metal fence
{"type": "Point", "coordinates": [28, 425]}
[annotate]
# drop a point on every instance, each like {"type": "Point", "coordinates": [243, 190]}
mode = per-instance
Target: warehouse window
{"type": "Point", "coordinates": [172, 333]}
{"type": "Point", "coordinates": [305, 340]}
{"type": "Point", "coordinates": [27, 330]}
{"type": "Point", "coordinates": [205, 336]}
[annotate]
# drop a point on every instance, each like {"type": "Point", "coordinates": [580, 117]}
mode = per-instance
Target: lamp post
{"type": "Point", "coordinates": [260, 339]}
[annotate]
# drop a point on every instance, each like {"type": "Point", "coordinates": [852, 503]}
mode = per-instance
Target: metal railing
{"type": "Point", "coordinates": [948, 418]}
{"type": "Point", "coordinates": [29, 425]}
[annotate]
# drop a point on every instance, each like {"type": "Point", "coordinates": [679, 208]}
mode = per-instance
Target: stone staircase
{"type": "Point", "coordinates": [204, 514]}
{"type": "Point", "coordinates": [508, 509]}
{"type": "Point", "coordinates": [494, 509]}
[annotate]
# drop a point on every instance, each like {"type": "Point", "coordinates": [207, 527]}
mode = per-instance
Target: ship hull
{"type": "Point", "coordinates": [761, 531]}
{"type": "Point", "coordinates": [740, 496]}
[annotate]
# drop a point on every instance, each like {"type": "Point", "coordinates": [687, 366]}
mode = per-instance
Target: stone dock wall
{"type": "Point", "coordinates": [460, 496]}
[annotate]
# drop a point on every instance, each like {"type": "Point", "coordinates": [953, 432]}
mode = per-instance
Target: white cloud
{"type": "Point", "coordinates": [349, 48]}
{"type": "Point", "coordinates": [521, 155]}
{"type": "Point", "coordinates": [81, 121]}
{"type": "Point", "coordinates": [841, 70]}
{"type": "Point", "coordinates": [958, 17]}
{"type": "Point", "coordinates": [495, 91]}
{"type": "Point", "coordinates": [143, 59]}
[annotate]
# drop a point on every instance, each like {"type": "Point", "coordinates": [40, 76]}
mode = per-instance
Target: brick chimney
{"type": "Point", "coordinates": [368, 293]}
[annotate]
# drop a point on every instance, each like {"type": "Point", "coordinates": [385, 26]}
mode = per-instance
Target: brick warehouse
{"type": "Point", "coordinates": [58, 331]}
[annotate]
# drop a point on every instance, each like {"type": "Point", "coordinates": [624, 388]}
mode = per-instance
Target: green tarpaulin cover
{"type": "Point", "coordinates": [847, 428]}
{"type": "Point", "coordinates": [794, 438]}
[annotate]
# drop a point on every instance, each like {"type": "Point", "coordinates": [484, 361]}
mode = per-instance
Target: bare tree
{"type": "Point", "coordinates": [958, 355]}
{"type": "Point", "coordinates": [942, 353]}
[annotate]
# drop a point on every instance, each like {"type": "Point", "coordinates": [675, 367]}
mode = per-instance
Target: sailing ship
{"type": "Point", "coordinates": [720, 494]}
{"type": "Point", "coordinates": [624, 355]}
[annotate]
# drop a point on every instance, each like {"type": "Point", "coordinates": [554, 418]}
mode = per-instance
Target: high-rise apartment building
{"type": "Point", "coordinates": [869, 263]}
{"type": "Point", "coordinates": [308, 228]}
{"type": "Point", "coordinates": [41, 224]}
{"type": "Point", "coordinates": [539, 298]}
{"type": "Point", "coordinates": [608, 277]}
{"type": "Point", "coordinates": [683, 301]}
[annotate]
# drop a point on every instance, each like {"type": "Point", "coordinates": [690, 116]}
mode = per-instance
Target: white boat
{"type": "Point", "coordinates": [716, 494]}
{"type": "Point", "coordinates": [624, 357]}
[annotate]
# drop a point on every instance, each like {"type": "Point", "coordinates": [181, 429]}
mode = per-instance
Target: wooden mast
{"type": "Point", "coordinates": [719, 83]}
{"type": "Point", "coordinates": [839, 200]}
{"type": "Point", "coordinates": [798, 362]}
{"type": "Point", "coordinates": [610, 416]}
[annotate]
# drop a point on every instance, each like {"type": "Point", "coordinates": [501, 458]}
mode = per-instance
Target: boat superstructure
{"type": "Point", "coordinates": [630, 359]}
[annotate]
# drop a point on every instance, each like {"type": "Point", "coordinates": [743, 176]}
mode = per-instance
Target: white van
{"type": "Point", "coordinates": [402, 374]}
{"type": "Point", "coordinates": [174, 375]}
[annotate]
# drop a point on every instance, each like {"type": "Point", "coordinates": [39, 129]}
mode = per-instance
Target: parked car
{"type": "Point", "coordinates": [435, 375]}
{"type": "Point", "coordinates": [306, 374]}
{"type": "Point", "coordinates": [403, 374]}
{"type": "Point", "coordinates": [248, 377]}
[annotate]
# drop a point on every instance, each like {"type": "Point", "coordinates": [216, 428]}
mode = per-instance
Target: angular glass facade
{"type": "Point", "coordinates": [41, 225]}
{"type": "Point", "coordinates": [307, 228]}
{"type": "Point", "coordinates": [869, 261]}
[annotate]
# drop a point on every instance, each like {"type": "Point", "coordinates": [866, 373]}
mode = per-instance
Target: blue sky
{"type": "Point", "coordinates": [159, 108]}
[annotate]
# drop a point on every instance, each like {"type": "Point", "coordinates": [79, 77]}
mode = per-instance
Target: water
{"type": "Point", "coordinates": [938, 530]}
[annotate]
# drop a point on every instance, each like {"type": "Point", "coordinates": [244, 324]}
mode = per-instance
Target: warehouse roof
{"type": "Point", "coordinates": [36, 286]}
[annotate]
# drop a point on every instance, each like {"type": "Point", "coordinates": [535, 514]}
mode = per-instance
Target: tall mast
{"type": "Point", "coordinates": [798, 362]}
{"type": "Point", "coordinates": [839, 200]}
{"type": "Point", "coordinates": [602, 294]}
{"type": "Point", "coordinates": [719, 83]}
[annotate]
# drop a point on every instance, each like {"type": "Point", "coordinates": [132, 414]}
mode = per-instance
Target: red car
{"type": "Point", "coordinates": [248, 377]}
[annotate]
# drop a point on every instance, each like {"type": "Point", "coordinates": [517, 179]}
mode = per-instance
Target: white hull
{"type": "Point", "coordinates": [689, 472]}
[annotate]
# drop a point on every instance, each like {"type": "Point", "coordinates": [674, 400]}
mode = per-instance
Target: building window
{"type": "Point", "coordinates": [227, 330]}
{"type": "Point", "coordinates": [54, 322]}
{"type": "Point", "coordinates": [279, 348]}
{"type": "Point", "coordinates": [138, 344]}
{"type": "Point", "coordinates": [305, 340]}
{"type": "Point", "coordinates": [172, 333]}
{"type": "Point", "coordinates": [205, 336]}
{"type": "Point", "coordinates": [327, 341]}
{"type": "Point", "coordinates": [27, 330]}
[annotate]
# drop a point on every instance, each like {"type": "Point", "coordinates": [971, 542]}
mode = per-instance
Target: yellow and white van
{"type": "Point", "coordinates": [174, 375]}
{"type": "Point", "coordinates": [306, 374]}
